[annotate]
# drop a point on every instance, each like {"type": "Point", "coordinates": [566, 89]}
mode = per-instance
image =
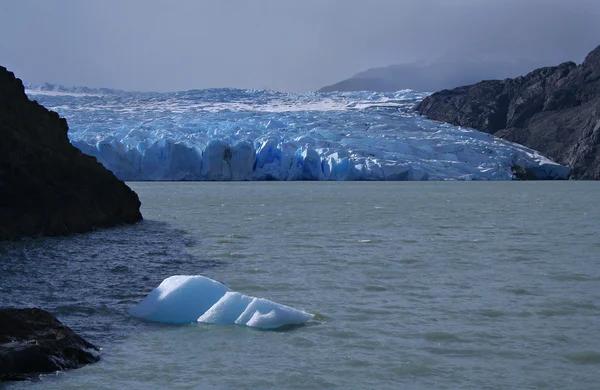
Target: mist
{"type": "Point", "coordinates": [150, 45]}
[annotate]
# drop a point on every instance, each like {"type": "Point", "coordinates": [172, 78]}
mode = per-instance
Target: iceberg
{"type": "Point", "coordinates": [183, 299]}
{"type": "Point", "coordinates": [180, 299]}
{"type": "Point", "coordinates": [232, 134]}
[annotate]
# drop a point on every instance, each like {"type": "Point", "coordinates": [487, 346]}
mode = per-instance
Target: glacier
{"type": "Point", "coordinates": [183, 299]}
{"type": "Point", "coordinates": [233, 134]}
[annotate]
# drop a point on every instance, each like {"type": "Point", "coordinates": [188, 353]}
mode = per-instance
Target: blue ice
{"type": "Point", "coordinates": [183, 299]}
{"type": "Point", "coordinates": [231, 134]}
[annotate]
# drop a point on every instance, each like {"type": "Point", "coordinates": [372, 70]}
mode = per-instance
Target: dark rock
{"type": "Point", "coordinates": [47, 186]}
{"type": "Point", "coordinates": [33, 341]}
{"type": "Point", "coordinates": [555, 110]}
{"type": "Point", "coordinates": [524, 173]}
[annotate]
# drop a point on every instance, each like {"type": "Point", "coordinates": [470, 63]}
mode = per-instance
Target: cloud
{"type": "Point", "coordinates": [280, 44]}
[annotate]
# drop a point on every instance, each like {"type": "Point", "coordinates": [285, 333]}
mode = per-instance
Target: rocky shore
{"type": "Point", "coordinates": [47, 186]}
{"type": "Point", "coordinates": [554, 110]}
{"type": "Point", "coordinates": [33, 342]}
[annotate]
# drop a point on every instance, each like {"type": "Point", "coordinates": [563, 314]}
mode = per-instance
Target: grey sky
{"type": "Point", "coordinates": [290, 45]}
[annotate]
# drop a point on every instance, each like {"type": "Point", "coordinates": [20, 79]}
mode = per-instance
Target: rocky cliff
{"type": "Point", "coordinates": [555, 110]}
{"type": "Point", "coordinates": [47, 186]}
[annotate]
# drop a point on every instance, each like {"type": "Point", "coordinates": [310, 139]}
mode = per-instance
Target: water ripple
{"type": "Point", "coordinates": [469, 286]}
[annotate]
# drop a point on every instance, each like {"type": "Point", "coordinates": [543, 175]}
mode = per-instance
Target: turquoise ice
{"type": "Point", "coordinates": [231, 134]}
{"type": "Point", "coordinates": [183, 299]}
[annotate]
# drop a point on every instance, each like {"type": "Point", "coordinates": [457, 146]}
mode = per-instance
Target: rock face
{"type": "Point", "coordinates": [47, 186]}
{"type": "Point", "coordinates": [555, 110]}
{"type": "Point", "coordinates": [33, 341]}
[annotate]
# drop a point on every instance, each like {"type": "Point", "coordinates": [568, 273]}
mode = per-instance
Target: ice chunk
{"type": "Point", "coordinates": [262, 313]}
{"type": "Point", "coordinates": [242, 161]}
{"type": "Point", "coordinates": [180, 299]}
{"type": "Point", "coordinates": [306, 165]}
{"type": "Point", "coordinates": [227, 310]}
{"type": "Point", "coordinates": [216, 163]}
{"type": "Point", "coordinates": [268, 161]}
{"type": "Point", "coordinates": [183, 299]}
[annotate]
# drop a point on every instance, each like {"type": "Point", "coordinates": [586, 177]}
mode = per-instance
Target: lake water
{"type": "Point", "coordinates": [415, 285]}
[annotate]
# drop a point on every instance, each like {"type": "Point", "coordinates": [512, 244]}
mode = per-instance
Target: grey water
{"type": "Point", "coordinates": [448, 285]}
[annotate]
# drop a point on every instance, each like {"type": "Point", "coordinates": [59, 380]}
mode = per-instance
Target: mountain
{"type": "Point", "coordinates": [47, 186]}
{"type": "Point", "coordinates": [430, 77]}
{"type": "Point", "coordinates": [555, 110]}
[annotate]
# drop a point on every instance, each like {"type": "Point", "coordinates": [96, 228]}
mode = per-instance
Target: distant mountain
{"type": "Point", "coordinates": [555, 110]}
{"type": "Point", "coordinates": [430, 77]}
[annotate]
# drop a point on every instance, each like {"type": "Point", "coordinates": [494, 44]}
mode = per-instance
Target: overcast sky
{"type": "Point", "coordinates": [289, 45]}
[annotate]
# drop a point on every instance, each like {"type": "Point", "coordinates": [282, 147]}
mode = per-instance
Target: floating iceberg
{"type": "Point", "coordinates": [184, 299]}
{"type": "Point", "coordinates": [231, 134]}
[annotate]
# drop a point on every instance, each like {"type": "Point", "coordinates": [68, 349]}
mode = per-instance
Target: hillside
{"type": "Point", "coordinates": [47, 186]}
{"type": "Point", "coordinates": [430, 77]}
{"type": "Point", "coordinates": [555, 110]}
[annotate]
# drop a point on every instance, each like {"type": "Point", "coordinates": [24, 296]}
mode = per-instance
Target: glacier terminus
{"type": "Point", "coordinates": [232, 134]}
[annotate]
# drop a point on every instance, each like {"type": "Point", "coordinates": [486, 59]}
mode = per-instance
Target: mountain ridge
{"type": "Point", "coordinates": [555, 110]}
{"type": "Point", "coordinates": [429, 77]}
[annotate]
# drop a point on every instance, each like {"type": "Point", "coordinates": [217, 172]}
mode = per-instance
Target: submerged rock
{"type": "Point", "coordinates": [33, 341]}
{"type": "Point", "coordinates": [47, 186]}
{"type": "Point", "coordinates": [554, 110]}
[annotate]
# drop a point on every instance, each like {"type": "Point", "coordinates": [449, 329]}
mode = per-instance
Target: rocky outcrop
{"type": "Point", "coordinates": [33, 341]}
{"type": "Point", "coordinates": [555, 110]}
{"type": "Point", "coordinates": [47, 186]}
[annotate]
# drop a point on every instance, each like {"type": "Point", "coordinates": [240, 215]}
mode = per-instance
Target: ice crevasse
{"type": "Point", "coordinates": [231, 134]}
{"type": "Point", "coordinates": [183, 299]}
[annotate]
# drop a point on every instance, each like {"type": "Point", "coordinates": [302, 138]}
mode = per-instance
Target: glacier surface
{"type": "Point", "coordinates": [183, 299]}
{"type": "Point", "coordinates": [231, 134]}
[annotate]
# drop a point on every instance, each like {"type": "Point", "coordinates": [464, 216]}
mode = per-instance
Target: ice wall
{"type": "Point", "coordinates": [228, 134]}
